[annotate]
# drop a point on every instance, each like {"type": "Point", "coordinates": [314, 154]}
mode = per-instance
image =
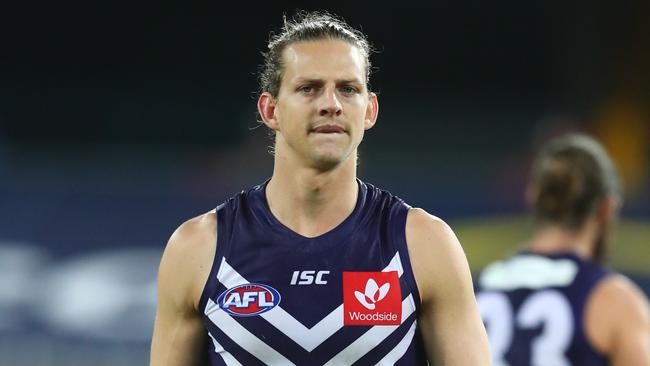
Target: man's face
{"type": "Point", "coordinates": [323, 106]}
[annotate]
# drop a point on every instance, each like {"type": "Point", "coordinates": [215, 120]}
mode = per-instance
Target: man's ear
{"type": "Point", "coordinates": [371, 112]}
{"type": "Point", "coordinates": [608, 209]}
{"type": "Point", "coordinates": [266, 109]}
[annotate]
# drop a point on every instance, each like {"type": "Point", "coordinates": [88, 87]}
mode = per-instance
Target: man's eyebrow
{"type": "Point", "coordinates": [349, 81]}
{"type": "Point", "coordinates": [321, 81]}
{"type": "Point", "coordinates": [308, 80]}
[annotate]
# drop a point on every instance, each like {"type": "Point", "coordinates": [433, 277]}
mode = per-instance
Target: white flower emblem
{"type": "Point", "coordinates": [373, 294]}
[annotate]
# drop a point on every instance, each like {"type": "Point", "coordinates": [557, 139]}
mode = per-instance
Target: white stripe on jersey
{"type": "Point", "coordinates": [244, 338]}
{"type": "Point", "coordinates": [371, 338]}
{"type": "Point", "coordinates": [399, 350]}
{"type": "Point", "coordinates": [225, 355]}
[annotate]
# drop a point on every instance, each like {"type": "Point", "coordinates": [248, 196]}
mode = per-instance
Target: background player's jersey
{"type": "Point", "coordinates": [533, 308]}
{"type": "Point", "coordinates": [345, 297]}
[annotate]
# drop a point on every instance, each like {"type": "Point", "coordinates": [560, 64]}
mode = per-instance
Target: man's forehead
{"type": "Point", "coordinates": [299, 50]}
{"type": "Point", "coordinates": [324, 58]}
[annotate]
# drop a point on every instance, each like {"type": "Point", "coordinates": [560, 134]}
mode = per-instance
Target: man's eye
{"type": "Point", "coordinates": [307, 89]}
{"type": "Point", "coordinates": [348, 90]}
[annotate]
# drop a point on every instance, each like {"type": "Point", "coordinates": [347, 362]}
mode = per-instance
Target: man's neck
{"type": "Point", "coordinates": [553, 239]}
{"type": "Point", "coordinates": [312, 202]}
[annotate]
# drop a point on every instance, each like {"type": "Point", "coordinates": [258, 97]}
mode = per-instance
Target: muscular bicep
{"type": "Point", "coordinates": [179, 336]}
{"type": "Point", "coordinates": [450, 322]}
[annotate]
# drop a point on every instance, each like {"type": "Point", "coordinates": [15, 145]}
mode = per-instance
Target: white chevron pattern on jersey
{"type": "Point", "coordinates": [243, 337]}
{"type": "Point", "coordinates": [399, 350]}
{"type": "Point", "coordinates": [370, 339]}
{"type": "Point", "coordinates": [308, 338]}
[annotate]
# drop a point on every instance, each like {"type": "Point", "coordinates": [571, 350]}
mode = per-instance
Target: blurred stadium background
{"type": "Point", "coordinates": [119, 123]}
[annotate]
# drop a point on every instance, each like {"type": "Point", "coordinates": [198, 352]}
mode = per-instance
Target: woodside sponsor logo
{"type": "Point", "coordinates": [372, 298]}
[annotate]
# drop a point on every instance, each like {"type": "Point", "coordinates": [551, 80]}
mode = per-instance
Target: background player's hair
{"type": "Point", "coordinates": [571, 174]}
{"type": "Point", "coordinates": [307, 26]}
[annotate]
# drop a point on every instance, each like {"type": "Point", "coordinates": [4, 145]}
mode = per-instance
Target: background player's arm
{"type": "Point", "coordinates": [451, 326]}
{"type": "Point", "coordinates": [179, 337]}
{"type": "Point", "coordinates": [618, 322]}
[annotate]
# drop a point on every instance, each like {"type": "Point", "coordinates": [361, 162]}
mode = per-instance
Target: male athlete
{"type": "Point", "coordinates": [554, 303]}
{"type": "Point", "coordinates": [315, 267]}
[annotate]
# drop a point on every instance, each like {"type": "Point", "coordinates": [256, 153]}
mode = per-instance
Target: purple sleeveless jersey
{"type": "Point", "coordinates": [533, 307]}
{"type": "Point", "coordinates": [347, 297]}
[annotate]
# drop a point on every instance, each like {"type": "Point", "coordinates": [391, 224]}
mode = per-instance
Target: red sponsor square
{"type": "Point", "coordinates": [372, 298]}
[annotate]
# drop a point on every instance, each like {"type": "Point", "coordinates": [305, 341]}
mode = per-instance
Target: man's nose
{"type": "Point", "coordinates": [330, 103]}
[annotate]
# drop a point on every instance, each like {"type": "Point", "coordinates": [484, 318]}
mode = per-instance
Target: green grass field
{"type": "Point", "coordinates": [490, 238]}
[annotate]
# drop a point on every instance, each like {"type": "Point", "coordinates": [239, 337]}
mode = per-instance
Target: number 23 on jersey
{"type": "Point", "coordinates": [547, 309]}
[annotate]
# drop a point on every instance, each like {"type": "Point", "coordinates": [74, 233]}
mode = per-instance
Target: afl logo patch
{"type": "Point", "coordinates": [249, 299]}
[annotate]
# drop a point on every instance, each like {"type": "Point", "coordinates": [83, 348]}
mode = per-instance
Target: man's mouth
{"type": "Point", "coordinates": [328, 128]}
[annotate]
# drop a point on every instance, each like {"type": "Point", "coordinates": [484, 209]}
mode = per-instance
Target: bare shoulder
{"type": "Point", "coordinates": [188, 257]}
{"type": "Point", "coordinates": [421, 223]}
{"type": "Point", "coordinates": [622, 297]}
{"type": "Point", "coordinates": [192, 233]}
{"type": "Point", "coordinates": [437, 257]}
{"type": "Point", "coordinates": [623, 291]}
{"type": "Point", "coordinates": [615, 307]}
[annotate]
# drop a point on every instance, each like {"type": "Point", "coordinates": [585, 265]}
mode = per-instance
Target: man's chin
{"type": "Point", "coordinates": [326, 164]}
{"type": "Point", "coordinates": [329, 160]}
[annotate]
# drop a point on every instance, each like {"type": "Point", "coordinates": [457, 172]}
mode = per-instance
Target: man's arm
{"type": "Point", "coordinates": [617, 322]}
{"type": "Point", "coordinates": [450, 322]}
{"type": "Point", "coordinates": [179, 336]}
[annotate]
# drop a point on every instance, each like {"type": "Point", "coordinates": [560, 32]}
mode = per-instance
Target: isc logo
{"type": "Point", "coordinates": [309, 277]}
{"type": "Point", "coordinates": [249, 299]}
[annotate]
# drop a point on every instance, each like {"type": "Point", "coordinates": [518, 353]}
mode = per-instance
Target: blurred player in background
{"type": "Point", "coordinates": [315, 266]}
{"type": "Point", "coordinates": [555, 303]}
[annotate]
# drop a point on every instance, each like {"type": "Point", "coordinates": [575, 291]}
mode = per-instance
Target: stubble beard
{"type": "Point", "coordinates": [326, 161]}
{"type": "Point", "coordinates": [602, 245]}
{"type": "Point", "coordinates": [326, 158]}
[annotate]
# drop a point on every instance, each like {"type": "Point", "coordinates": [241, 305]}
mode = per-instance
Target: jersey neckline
{"type": "Point", "coordinates": [342, 230]}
